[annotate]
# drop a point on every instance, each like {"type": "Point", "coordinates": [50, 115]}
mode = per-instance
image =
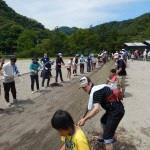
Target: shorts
{"type": "Point", "coordinates": [110, 121]}
{"type": "Point", "coordinates": [122, 81]}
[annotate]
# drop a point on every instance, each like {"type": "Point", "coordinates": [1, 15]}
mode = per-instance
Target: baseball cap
{"type": "Point", "coordinates": [59, 54]}
{"type": "Point", "coordinates": [83, 82]}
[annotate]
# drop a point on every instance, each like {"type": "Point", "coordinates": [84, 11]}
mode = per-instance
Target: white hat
{"type": "Point", "coordinates": [83, 81]}
{"type": "Point", "coordinates": [59, 54]}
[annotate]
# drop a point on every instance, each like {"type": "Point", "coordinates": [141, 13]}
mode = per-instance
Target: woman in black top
{"type": "Point", "coordinates": [59, 62]}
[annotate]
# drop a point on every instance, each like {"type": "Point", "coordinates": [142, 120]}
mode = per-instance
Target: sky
{"type": "Point", "coordinates": [79, 13]}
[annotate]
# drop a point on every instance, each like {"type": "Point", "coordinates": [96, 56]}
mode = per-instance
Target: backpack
{"type": "Point", "coordinates": [115, 96]}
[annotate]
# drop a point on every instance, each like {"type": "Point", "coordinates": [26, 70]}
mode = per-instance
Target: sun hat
{"type": "Point", "coordinates": [59, 54]}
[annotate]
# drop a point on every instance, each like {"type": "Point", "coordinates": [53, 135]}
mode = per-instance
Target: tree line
{"type": "Point", "coordinates": [26, 37]}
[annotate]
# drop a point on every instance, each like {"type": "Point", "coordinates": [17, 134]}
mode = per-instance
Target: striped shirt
{"type": "Point", "coordinates": [100, 96]}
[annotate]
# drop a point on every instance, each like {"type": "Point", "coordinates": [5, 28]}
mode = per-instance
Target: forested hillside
{"type": "Point", "coordinates": [27, 37]}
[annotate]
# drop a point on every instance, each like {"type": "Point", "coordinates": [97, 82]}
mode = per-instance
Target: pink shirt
{"type": "Point", "coordinates": [113, 78]}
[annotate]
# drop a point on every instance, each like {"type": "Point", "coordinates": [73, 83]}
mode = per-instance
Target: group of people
{"type": "Point", "coordinates": [44, 67]}
{"type": "Point", "coordinates": [85, 63]}
{"type": "Point", "coordinates": [107, 96]}
{"type": "Point", "coordinates": [136, 54]}
{"type": "Point", "coordinates": [90, 62]}
{"type": "Point", "coordinates": [146, 55]}
{"type": "Point", "coordinates": [9, 71]}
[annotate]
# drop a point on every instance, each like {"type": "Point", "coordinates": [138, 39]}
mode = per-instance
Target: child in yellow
{"type": "Point", "coordinates": [72, 137]}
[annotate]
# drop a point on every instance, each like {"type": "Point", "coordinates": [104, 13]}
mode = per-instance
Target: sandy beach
{"type": "Point", "coordinates": [27, 125]}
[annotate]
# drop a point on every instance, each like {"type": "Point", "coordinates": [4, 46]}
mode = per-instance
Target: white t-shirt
{"type": "Point", "coordinates": [69, 63]}
{"type": "Point", "coordinates": [93, 60]}
{"type": "Point", "coordinates": [116, 55]}
{"type": "Point", "coordinates": [144, 53]}
{"type": "Point", "coordinates": [9, 72]}
{"type": "Point", "coordinates": [82, 60]}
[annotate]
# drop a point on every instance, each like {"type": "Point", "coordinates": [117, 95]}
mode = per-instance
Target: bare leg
{"type": "Point", "coordinates": [69, 74]}
{"type": "Point", "coordinates": [109, 146]}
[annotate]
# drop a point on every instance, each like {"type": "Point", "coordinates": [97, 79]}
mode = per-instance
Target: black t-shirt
{"type": "Point", "coordinates": [59, 61]}
{"type": "Point", "coordinates": [45, 60]}
{"type": "Point", "coordinates": [47, 65]}
{"type": "Point", "coordinates": [76, 60]}
{"type": "Point", "coordinates": [121, 64]}
{"type": "Point", "coordinates": [100, 97]}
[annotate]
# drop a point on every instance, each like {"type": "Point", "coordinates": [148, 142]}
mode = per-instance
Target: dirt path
{"type": "Point", "coordinates": [27, 127]}
{"type": "Point", "coordinates": [134, 130]}
{"type": "Point", "coordinates": [136, 123]}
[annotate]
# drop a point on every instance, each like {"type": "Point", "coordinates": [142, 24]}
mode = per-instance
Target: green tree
{"type": "Point", "coordinates": [27, 40]}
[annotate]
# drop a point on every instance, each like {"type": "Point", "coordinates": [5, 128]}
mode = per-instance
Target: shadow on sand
{"type": "Point", "coordinates": [17, 107]}
{"type": "Point", "coordinates": [56, 85]}
{"type": "Point", "coordinates": [124, 141]}
{"type": "Point", "coordinates": [127, 94]}
{"type": "Point", "coordinates": [44, 91]}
